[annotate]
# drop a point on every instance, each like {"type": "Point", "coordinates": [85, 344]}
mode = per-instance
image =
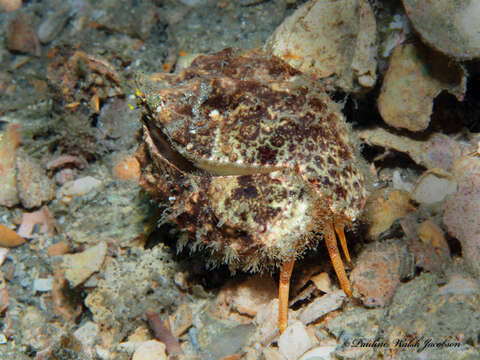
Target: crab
{"type": "Point", "coordinates": [256, 161]}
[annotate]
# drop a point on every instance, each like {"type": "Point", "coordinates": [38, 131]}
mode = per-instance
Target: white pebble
{"type": "Point", "coordinates": [43, 285]}
{"type": "Point", "coordinates": [294, 341]}
{"type": "Point", "coordinates": [87, 333]}
{"type": "Point", "coordinates": [81, 186]}
{"type": "Point", "coordinates": [150, 350]}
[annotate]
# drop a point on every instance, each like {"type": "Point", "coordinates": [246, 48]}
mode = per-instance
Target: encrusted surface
{"type": "Point", "coordinates": [253, 156]}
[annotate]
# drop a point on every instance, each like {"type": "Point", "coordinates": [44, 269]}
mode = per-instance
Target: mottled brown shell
{"type": "Point", "coordinates": [252, 155]}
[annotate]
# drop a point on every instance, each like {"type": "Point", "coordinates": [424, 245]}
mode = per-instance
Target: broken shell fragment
{"type": "Point", "coordinates": [415, 77]}
{"type": "Point", "coordinates": [462, 210]}
{"type": "Point", "coordinates": [9, 238]}
{"type": "Point", "coordinates": [451, 27]}
{"type": "Point", "coordinates": [332, 40]}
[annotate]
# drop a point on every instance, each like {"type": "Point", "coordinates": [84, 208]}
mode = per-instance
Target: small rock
{"type": "Point", "coordinates": [79, 267]}
{"type": "Point", "coordinates": [181, 320]}
{"type": "Point", "coordinates": [270, 353]}
{"type": "Point", "coordinates": [267, 322]}
{"type": "Point", "coordinates": [9, 141]}
{"type": "Point", "coordinates": [415, 77]}
{"type": "Point", "coordinates": [20, 36]}
{"type": "Point", "coordinates": [34, 187]}
{"type": "Point", "coordinates": [462, 211]}
{"type": "Point", "coordinates": [319, 353]}
{"type": "Point", "coordinates": [248, 296]}
{"type": "Point", "coordinates": [3, 300]}
{"type": "Point", "coordinates": [451, 27]}
{"type": "Point", "coordinates": [321, 306]}
{"type": "Point", "coordinates": [41, 217]}
{"type": "Point", "coordinates": [431, 188]}
{"type": "Point", "coordinates": [294, 341]}
{"type": "Point", "coordinates": [434, 240]}
{"type": "Point", "coordinates": [315, 39]}
{"type": "Point", "coordinates": [127, 168]}
{"type": "Point", "coordinates": [3, 254]}
{"type": "Point", "coordinates": [64, 161]}
{"type": "Point", "coordinates": [377, 273]}
{"type": "Point", "coordinates": [422, 309]}
{"type": "Point", "coordinates": [399, 183]}
{"type": "Point", "coordinates": [60, 248]}
{"type": "Point", "coordinates": [322, 282]}
{"type": "Point", "coordinates": [52, 25]}
{"type": "Point", "coordinates": [150, 350]}
{"type": "Point", "coordinates": [384, 207]}
{"type": "Point", "coordinates": [87, 334]}
{"type": "Point", "coordinates": [80, 187]}
{"type": "Point", "coordinates": [11, 5]}
{"type": "Point", "coordinates": [126, 22]}
{"type": "Point", "coordinates": [43, 285]}
{"type": "Point", "coordinates": [65, 175]}
{"type": "Point", "coordinates": [9, 238]}
{"type": "Point", "coordinates": [229, 342]}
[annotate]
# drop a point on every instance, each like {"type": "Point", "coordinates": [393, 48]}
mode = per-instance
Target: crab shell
{"type": "Point", "coordinates": [253, 156]}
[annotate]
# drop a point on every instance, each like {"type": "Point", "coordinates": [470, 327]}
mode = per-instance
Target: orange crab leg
{"type": "Point", "coordinates": [283, 292]}
{"type": "Point", "coordinates": [331, 242]}
{"type": "Point", "coordinates": [343, 241]}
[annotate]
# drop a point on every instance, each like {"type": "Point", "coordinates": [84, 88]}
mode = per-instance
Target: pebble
{"type": "Point", "coordinates": [59, 248]}
{"type": "Point", "coordinates": [294, 341]}
{"type": "Point", "coordinates": [41, 218]}
{"type": "Point", "coordinates": [11, 5]}
{"type": "Point", "coordinates": [9, 238]}
{"type": "Point", "coordinates": [321, 306]}
{"type": "Point", "coordinates": [63, 161]}
{"type": "Point", "coordinates": [150, 350]}
{"type": "Point", "coordinates": [431, 189]}
{"type": "Point", "coordinates": [4, 301]}
{"type": "Point", "coordinates": [80, 266]}
{"type": "Point", "coordinates": [416, 76]}
{"type": "Point", "coordinates": [3, 254]}
{"type": "Point", "coordinates": [270, 353]}
{"type": "Point", "coordinates": [65, 175]}
{"type": "Point", "coordinates": [127, 168]}
{"type": "Point", "coordinates": [43, 284]}
{"type": "Point", "coordinates": [33, 185]}
{"type": "Point", "coordinates": [428, 246]}
{"type": "Point", "coordinates": [80, 187]}
{"type": "Point", "coordinates": [52, 25]}
{"type": "Point", "coordinates": [322, 282]}
{"type": "Point", "coordinates": [87, 334]}
{"type": "Point", "coordinates": [319, 353]}
{"type": "Point", "coordinates": [181, 320]}
{"type": "Point", "coordinates": [399, 183]}
{"type": "Point", "coordinates": [462, 211]}
{"type": "Point", "coordinates": [267, 322]}
{"type": "Point", "coordinates": [377, 273]}
{"type": "Point", "coordinates": [384, 207]}
{"type": "Point", "coordinates": [8, 187]}
{"type": "Point", "coordinates": [21, 37]}
{"type": "Point", "coordinates": [248, 296]}
{"type": "Point", "coordinates": [314, 38]}
{"type": "Point", "coordinates": [451, 27]}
